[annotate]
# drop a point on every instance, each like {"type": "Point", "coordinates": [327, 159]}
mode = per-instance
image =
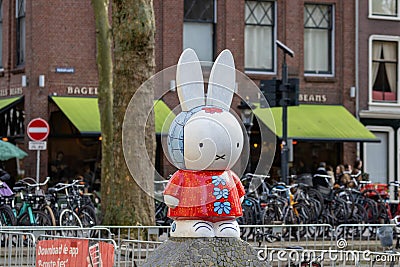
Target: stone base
{"type": "Point", "coordinates": [204, 252]}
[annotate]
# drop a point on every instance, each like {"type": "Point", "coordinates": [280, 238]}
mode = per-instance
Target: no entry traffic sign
{"type": "Point", "coordinates": [38, 129]}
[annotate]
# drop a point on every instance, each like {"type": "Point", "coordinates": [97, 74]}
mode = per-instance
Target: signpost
{"type": "Point", "coordinates": [38, 130]}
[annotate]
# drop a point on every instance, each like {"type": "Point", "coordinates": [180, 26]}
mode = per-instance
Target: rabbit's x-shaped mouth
{"type": "Point", "coordinates": [220, 157]}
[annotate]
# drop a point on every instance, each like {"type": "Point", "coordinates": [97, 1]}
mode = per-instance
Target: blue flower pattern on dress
{"type": "Point", "coordinates": [216, 180]}
{"type": "Point", "coordinates": [218, 193]}
{"type": "Point", "coordinates": [220, 207]}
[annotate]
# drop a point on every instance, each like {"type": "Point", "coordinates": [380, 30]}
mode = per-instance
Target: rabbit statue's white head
{"type": "Point", "coordinates": [205, 135]}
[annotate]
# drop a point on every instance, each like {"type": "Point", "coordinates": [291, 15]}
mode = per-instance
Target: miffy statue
{"type": "Point", "coordinates": [204, 141]}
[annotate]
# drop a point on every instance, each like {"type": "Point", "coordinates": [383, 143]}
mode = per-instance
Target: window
{"type": "Point", "coordinates": [259, 35]}
{"type": "Point", "coordinates": [1, 34]}
{"type": "Point", "coordinates": [378, 156]}
{"type": "Point", "coordinates": [384, 69]}
{"type": "Point", "coordinates": [318, 39]}
{"type": "Point", "coordinates": [198, 28]}
{"type": "Point", "coordinates": [20, 30]}
{"type": "Point", "coordinates": [385, 9]}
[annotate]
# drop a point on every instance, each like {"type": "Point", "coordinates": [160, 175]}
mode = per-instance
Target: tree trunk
{"type": "Point", "coordinates": [105, 94]}
{"type": "Point", "coordinates": [127, 203]}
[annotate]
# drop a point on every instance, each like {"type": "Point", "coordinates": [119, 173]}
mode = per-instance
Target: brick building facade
{"type": "Point", "coordinates": [378, 83]}
{"type": "Point", "coordinates": [59, 43]}
{"type": "Point", "coordinates": [288, 24]}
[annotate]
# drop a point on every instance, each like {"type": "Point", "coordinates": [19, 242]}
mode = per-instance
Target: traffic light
{"type": "Point", "coordinates": [293, 91]}
{"type": "Point", "coordinates": [272, 91]}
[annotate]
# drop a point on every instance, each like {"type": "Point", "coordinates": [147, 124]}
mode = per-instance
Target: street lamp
{"type": "Point", "coordinates": [285, 102]}
{"type": "Point", "coordinates": [247, 115]}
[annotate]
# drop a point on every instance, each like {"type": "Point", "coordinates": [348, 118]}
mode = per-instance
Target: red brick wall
{"type": "Point", "coordinates": [62, 34]}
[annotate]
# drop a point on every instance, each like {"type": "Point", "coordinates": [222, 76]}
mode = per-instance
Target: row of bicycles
{"type": "Point", "coordinates": [65, 204]}
{"type": "Point", "coordinates": [305, 201]}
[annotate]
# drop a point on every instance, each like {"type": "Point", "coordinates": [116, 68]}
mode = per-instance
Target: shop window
{"type": "Point", "coordinates": [318, 39]}
{"type": "Point", "coordinates": [20, 31]}
{"type": "Point", "coordinates": [259, 35]}
{"type": "Point", "coordinates": [384, 71]}
{"type": "Point", "coordinates": [384, 9]}
{"type": "Point", "coordinates": [198, 27]}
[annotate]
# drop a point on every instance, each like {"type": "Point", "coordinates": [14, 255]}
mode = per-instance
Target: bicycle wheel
{"type": "Point", "coordinates": [40, 219]}
{"type": "Point", "coordinates": [383, 214]}
{"type": "Point", "coordinates": [371, 208]}
{"type": "Point", "coordinates": [348, 198]}
{"type": "Point", "coordinates": [7, 217]}
{"type": "Point", "coordinates": [290, 219]}
{"type": "Point", "coordinates": [317, 196]}
{"type": "Point", "coordinates": [87, 215]}
{"type": "Point", "coordinates": [340, 210]}
{"type": "Point", "coordinates": [68, 218]}
{"type": "Point", "coordinates": [49, 211]}
{"type": "Point", "coordinates": [269, 215]}
{"type": "Point", "coordinates": [359, 218]}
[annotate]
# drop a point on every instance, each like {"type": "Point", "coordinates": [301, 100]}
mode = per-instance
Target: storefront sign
{"type": "Point", "coordinates": [81, 90]}
{"type": "Point", "coordinates": [312, 98]}
{"type": "Point", "coordinates": [11, 91]}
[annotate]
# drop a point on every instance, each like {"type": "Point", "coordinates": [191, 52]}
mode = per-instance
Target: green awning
{"type": "Point", "coordinates": [163, 117]}
{"type": "Point", "coordinates": [83, 112]}
{"type": "Point", "coordinates": [6, 102]}
{"type": "Point", "coordinates": [316, 122]}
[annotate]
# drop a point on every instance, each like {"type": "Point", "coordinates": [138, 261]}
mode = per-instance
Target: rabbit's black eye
{"type": "Point", "coordinates": [237, 144]}
{"type": "Point", "coordinates": [200, 144]}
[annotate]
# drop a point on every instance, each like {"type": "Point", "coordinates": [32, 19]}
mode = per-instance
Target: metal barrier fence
{"type": "Point", "coordinates": [308, 236]}
{"type": "Point", "coordinates": [360, 236]}
{"type": "Point", "coordinates": [134, 252]}
{"type": "Point", "coordinates": [344, 245]}
{"type": "Point", "coordinates": [17, 249]}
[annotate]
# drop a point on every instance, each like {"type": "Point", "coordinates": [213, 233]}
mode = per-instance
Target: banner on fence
{"type": "Point", "coordinates": [74, 252]}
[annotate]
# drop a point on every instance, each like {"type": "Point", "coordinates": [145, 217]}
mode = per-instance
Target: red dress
{"type": "Point", "coordinates": [205, 195]}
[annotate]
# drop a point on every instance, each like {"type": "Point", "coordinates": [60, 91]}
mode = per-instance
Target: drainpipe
{"type": "Point", "coordinates": [357, 69]}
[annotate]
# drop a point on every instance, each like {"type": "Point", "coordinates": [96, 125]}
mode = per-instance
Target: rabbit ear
{"type": "Point", "coordinates": [189, 80]}
{"type": "Point", "coordinates": [222, 81]}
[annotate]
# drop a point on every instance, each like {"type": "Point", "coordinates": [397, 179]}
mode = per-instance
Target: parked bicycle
{"type": "Point", "coordinates": [71, 206]}
{"type": "Point", "coordinates": [29, 206]}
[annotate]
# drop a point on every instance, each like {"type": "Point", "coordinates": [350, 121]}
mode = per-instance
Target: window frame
{"type": "Point", "coordinates": [20, 38]}
{"type": "Point", "coordinates": [274, 38]}
{"type": "Point", "coordinates": [387, 38]}
{"type": "Point", "coordinates": [212, 21]}
{"type": "Point", "coordinates": [383, 17]}
{"type": "Point", "coordinates": [331, 45]}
